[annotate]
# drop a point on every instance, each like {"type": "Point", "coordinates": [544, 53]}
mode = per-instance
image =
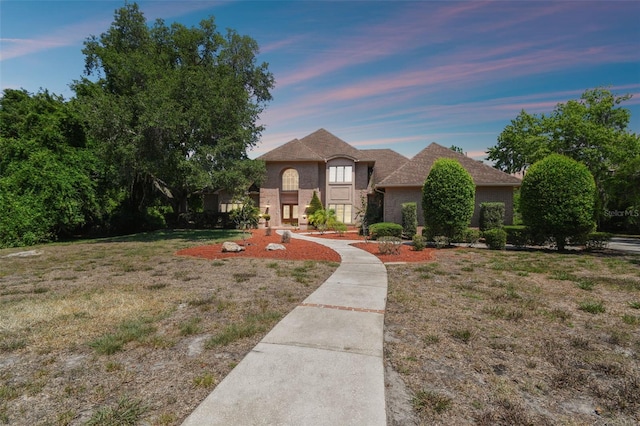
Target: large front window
{"type": "Point", "coordinates": [290, 180]}
{"type": "Point", "coordinates": [343, 212]}
{"type": "Point", "coordinates": [340, 174]}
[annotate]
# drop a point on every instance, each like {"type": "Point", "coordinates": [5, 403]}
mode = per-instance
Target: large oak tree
{"type": "Point", "coordinates": [174, 109]}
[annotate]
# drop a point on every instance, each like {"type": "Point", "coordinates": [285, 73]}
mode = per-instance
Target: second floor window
{"type": "Point", "coordinates": [340, 174]}
{"type": "Point", "coordinates": [290, 180]}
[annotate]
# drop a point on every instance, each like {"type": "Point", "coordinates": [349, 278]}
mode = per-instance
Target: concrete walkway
{"type": "Point", "coordinates": [322, 364]}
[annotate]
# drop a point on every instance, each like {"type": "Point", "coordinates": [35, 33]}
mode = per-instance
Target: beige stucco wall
{"type": "Point", "coordinates": [395, 197]}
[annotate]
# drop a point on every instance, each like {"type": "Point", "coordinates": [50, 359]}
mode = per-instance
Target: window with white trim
{"type": "Point", "coordinates": [290, 180]}
{"type": "Point", "coordinates": [343, 212]}
{"type": "Point", "coordinates": [340, 174]}
{"type": "Point", "coordinates": [228, 207]}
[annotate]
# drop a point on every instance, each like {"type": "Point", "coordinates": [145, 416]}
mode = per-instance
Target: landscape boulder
{"type": "Point", "coordinates": [275, 246]}
{"type": "Point", "coordinates": [232, 247]}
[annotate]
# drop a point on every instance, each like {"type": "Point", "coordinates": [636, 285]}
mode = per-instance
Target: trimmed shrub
{"type": "Point", "coordinates": [557, 199]}
{"type": "Point", "coordinates": [385, 229]}
{"type": "Point", "coordinates": [409, 219]}
{"type": "Point", "coordinates": [469, 236]}
{"type": "Point", "coordinates": [517, 235]}
{"type": "Point", "coordinates": [441, 241]}
{"type": "Point", "coordinates": [418, 242]}
{"type": "Point", "coordinates": [495, 239]}
{"type": "Point", "coordinates": [340, 228]}
{"type": "Point", "coordinates": [491, 216]}
{"type": "Point", "coordinates": [389, 245]}
{"type": "Point", "coordinates": [448, 198]}
{"type": "Point", "coordinates": [597, 240]}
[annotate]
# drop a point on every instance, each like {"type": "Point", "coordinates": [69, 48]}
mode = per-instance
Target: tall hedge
{"type": "Point", "coordinates": [491, 216]}
{"type": "Point", "coordinates": [448, 198]}
{"type": "Point", "coordinates": [409, 219]}
{"type": "Point", "coordinates": [557, 198]}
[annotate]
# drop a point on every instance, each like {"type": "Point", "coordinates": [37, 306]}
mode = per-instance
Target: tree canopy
{"type": "Point", "coordinates": [47, 185]}
{"type": "Point", "coordinates": [174, 109]}
{"type": "Point", "coordinates": [592, 130]}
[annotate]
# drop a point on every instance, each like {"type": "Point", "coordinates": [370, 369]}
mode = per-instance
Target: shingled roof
{"type": "Point", "coordinates": [291, 151]}
{"type": "Point", "coordinates": [318, 146]}
{"type": "Point", "coordinates": [414, 172]}
{"type": "Point", "coordinates": [387, 161]}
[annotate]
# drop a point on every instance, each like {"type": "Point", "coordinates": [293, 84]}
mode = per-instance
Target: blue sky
{"type": "Point", "coordinates": [379, 74]}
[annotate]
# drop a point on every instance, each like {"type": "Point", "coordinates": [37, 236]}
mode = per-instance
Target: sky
{"type": "Point", "coordinates": [377, 74]}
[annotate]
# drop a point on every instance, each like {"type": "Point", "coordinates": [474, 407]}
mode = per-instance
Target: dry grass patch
{"type": "Point", "coordinates": [118, 331]}
{"type": "Point", "coordinates": [521, 338]}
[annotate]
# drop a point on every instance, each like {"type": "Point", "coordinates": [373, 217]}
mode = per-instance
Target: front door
{"type": "Point", "coordinates": [290, 214]}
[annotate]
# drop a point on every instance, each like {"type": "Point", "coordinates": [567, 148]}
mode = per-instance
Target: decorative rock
{"type": "Point", "coordinates": [25, 253]}
{"type": "Point", "coordinates": [228, 246]}
{"type": "Point", "coordinates": [274, 246]}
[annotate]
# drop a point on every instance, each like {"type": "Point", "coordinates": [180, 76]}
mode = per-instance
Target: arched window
{"type": "Point", "coordinates": [290, 180]}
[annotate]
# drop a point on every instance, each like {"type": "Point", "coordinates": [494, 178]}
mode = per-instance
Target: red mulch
{"type": "Point", "coordinates": [255, 247]}
{"type": "Point", "coordinates": [302, 250]}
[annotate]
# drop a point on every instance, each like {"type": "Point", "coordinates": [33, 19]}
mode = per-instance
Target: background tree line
{"type": "Point", "coordinates": [161, 114]}
{"type": "Point", "coordinates": [593, 131]}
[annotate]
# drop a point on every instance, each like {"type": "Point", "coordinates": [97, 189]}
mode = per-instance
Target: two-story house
{"type": "Point", "coordinates": [341, 175]}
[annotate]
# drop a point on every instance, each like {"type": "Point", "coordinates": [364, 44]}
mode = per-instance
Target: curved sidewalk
{"type": "Point", "coordinates": [322, 364]}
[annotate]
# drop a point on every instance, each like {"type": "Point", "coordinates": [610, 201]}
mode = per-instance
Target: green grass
{"type": "Point", "coordinates": [128, 331]}
{"type": "Point", "coordinates": [241, 277]}
{"type": "Point", "coordinates": [190, 327]}
{"type": "Point", "coordinates": [563, 276]}
{"type": "Point", "coordinates": [586, 284]}
{"type": "Point", "coordinates": [8, 344]}
{"type": "Point", "coordinates": [429, 401]}
{"type": "Point", "coordinates": [631, 319]}
{"type": "Point", "coordinates": [592, 307]}
{"type": "Point", "coordinates": [252, 325]}
{"type": "Point", "coordinates": [126, 412]}
{"type": "Point", "coordinates": [431, 339]}
{"type": "Point", "coordinates": [206, 381]}
{"type": "Point", "coordinates": [464, 335]}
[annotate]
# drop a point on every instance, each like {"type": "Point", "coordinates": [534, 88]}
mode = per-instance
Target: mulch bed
{"type": "Point", "coordinates": [303, 250]}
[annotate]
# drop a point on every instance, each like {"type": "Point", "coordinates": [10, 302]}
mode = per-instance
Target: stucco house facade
{"type": "Point", "coordinates": [342, 176]}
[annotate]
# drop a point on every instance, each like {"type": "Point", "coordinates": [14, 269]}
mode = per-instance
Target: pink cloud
{"type": "Point", "coordinates": [75, 34]}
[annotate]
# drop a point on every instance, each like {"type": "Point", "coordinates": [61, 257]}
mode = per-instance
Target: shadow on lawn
{"type": "Point", "coordinates": [192, 235]}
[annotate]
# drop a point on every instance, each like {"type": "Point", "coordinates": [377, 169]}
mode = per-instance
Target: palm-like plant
{"type": "Point", "coordinates": [323, 219]}
{"type": "Point", "coordinates": [246, 216]}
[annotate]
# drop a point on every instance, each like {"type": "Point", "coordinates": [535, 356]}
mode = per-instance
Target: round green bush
{"type": "Point", "coordinates": [385, 229]}
{"type": "Point", "coordinates": [448, 198]}
{"type": "Point", "coordinates": [557, 199]}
